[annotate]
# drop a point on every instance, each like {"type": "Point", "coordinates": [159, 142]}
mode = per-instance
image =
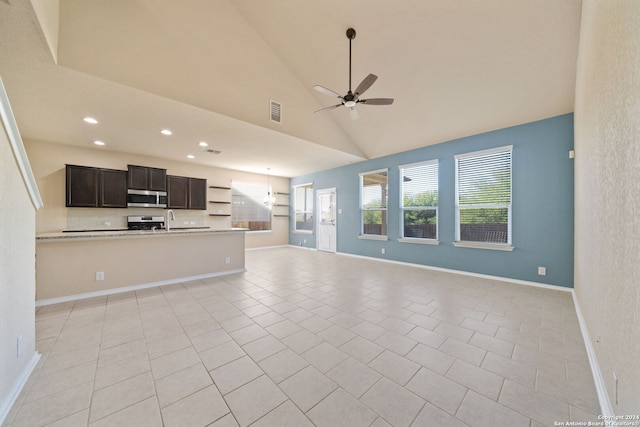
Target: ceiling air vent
{"type": "Point", "coordinates": [275, 111]}
{"type": "Point", "coordinates": [212, 151]}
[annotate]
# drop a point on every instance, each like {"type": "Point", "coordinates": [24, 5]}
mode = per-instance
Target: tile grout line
{"type": "Point", "coordinates": [237, 289]}
{"type": "Point", "coordinates": [95, 374]}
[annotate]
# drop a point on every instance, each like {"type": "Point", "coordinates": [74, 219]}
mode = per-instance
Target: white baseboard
{"type": "Point", "coordinates": [601, 388]}
{"type": "Point", "coordinates": [86, 295]}
{"type": "Point", "coordinates": [259, 248]}
{"type": "Point", "coordinates": [303, 247]}
{"type": "Point", "coordinates": [8, 401]}
{"type": "Point", "coordinates": [464, 273]}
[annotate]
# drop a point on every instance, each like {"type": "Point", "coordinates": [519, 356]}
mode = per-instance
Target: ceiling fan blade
{"type": "Point", "coordinates": [327, 91]}
{"type": "Point", "coordinates": [328, 108]}
{"type": "Point", "coordinates": [366, 84]}
{"type": "Point", "coordinates": [354, 113]}
{"type": "Point", "coordinates": [377, 101]}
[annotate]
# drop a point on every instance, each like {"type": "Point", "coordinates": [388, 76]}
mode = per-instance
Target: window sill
{"type": "Point", "coordinates": [372, 237]}
{"type": "Point", "coordinates": [302, 231]}
{"type": "Point", "coordinates": [480, 245]}
{"type": "Point", "coordinates": [419, 241]}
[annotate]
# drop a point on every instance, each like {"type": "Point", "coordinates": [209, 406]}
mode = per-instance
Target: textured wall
{"type": "Point", "coordinates": [542, 205]}
{"type": "Point", "coordinates": [17, 271]}
{"type": "Point", "coordinates": [607, 193]}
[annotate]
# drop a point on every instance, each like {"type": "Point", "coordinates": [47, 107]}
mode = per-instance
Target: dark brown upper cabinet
{"type": "Point", "coordinates": [146, 178]}
{"type": "Point", "coordinates": [89, 187]}
{"type": "Point", "coordinates": [197, 193]}
{"type": "Point", "coordinates": [82, 187]}
{"type": "Point", "coordinates": [177, 192]}
{"type": "Point", "coordinates": [112, 188]}
{"type": "Point", "coordinates": [186, 193]}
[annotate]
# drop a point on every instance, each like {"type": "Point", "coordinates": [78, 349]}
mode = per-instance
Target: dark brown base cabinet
{"type": "Point", "coordinates": [89, 187]}
{"type": "Point", "coordinates": [186, 193]}
{"type": "Point", "coordinates": [146, 178]}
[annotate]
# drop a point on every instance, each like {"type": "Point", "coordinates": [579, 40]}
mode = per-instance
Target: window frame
{"type": "Point", "coordinates": [306, 211]}
{"type": "Point", "coordinates": [384, 209]}
{"type": "Point", "coordinates": [421, 240]}
{"type": "Point", "coordinates": [484, 244]}
{"type": "Point", "coordinates": [268, 192]}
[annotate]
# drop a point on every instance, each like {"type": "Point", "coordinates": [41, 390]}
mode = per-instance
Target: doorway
{"type": "Point", "coordinates": [326, 219]}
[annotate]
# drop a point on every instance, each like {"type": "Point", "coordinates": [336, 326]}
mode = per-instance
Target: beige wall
{"type": "Point", "coordinates": [48, 161]}
{"type": "Point", "coordinates": [68, 267]}
{"type": "Point", "coordinates": [17, 273]}
{"type": "Point", "coordinates": [47, 12]}
{"type": "Point", "coordinates": [607, 192]}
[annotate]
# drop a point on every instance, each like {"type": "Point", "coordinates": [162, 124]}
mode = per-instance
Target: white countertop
{"type": "Point", "coordinates": [107, 234]}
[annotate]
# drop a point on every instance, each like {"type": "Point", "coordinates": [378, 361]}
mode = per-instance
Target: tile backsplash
{"type": "Point", "coordinates": [112, 219]}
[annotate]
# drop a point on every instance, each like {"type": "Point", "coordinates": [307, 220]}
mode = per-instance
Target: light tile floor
{"type": "Point", "coordinates": [308, 338]}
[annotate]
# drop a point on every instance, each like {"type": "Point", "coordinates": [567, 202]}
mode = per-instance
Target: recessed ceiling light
{"type": "Point", "coordinates": [98, 142]}
{"type": "Point", "coordinates": [90, 120]}
{"type": "Point", "coordinates": [190, 156]}
{"type": "Point", "coordinates": [203, 144]}
{"type": "Point", "coordinates": [166, 132]}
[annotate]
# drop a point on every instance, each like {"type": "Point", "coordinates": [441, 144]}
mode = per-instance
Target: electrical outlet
{"type": "Point", "coordinates": [383, 251]}
{"type": "Point", "coordinates": [542, 271]}
{"type": "Point", "coordinates": [304, 241]}
{"type": "Point", "coordinates": [99, 275]}
{"type": "Point", "coordinates": [227, 260]}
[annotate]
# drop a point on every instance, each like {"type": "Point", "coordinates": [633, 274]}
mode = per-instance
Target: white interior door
{"type": "Point", "coordinates": [326, 217]}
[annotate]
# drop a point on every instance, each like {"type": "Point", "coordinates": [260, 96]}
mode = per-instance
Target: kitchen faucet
{"type": "Point", "coordinates": [170, 217]}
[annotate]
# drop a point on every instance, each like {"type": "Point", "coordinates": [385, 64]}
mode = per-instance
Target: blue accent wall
{"type": "Point", "coordinates": [542, 205]}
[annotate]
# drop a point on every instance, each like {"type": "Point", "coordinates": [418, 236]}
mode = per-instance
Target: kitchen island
{"type": "Point", "coordinates": [83, 264]}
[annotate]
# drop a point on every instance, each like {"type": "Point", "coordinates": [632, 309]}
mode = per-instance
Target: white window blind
{"type": "Point", "coordinates": [373, 202]}
{"type": "Point", "coordinates": [483, 196]}
{"type": "Point", "coordinates": [248, 209]}
{"type": "Point", "coordinates": [419, 200]}
{"type": "Point", "coordinates": [303, 206]}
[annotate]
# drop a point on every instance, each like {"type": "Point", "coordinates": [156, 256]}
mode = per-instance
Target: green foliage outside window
{"type": "Point", "coordinates": [493, 190]}
{"type": "Point", "coordinates": [420, 200]}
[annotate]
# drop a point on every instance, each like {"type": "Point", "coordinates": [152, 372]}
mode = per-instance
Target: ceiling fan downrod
{"type": "Point", "coordinates": [351, 34]}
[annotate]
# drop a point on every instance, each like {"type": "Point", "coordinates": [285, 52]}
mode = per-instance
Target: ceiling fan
{"type": "Point", "coordinates": [351, 99]}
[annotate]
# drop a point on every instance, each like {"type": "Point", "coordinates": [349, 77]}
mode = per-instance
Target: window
{"type": "Point", "coordinates": [373, 203]}
{"type": "Point", "coordinates": [483, 197]}
{"type": "Point", "coordinates": [419, 202]}
{"type": "Point", "coordinates": [248, 209]}
{"type": "Point", "coordinates": [303, 207]}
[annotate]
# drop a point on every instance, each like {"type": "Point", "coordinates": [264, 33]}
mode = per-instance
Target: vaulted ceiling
{"type": "Point", "coordinates": [207, 70]}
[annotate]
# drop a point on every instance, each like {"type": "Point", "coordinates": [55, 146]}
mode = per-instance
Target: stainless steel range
{"type": "Point", "coordinates": [143, 222]}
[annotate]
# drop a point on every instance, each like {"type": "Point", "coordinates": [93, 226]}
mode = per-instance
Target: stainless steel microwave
{"type": "Point", "coordinates": [146, 199]}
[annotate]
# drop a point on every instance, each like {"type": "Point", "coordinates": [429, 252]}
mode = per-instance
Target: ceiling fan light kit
{"type": "Point", "coordinates": [351, 99]}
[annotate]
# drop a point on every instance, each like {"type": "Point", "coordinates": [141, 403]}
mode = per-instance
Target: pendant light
{"type": "Point", "coordinates": [269, 199]}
